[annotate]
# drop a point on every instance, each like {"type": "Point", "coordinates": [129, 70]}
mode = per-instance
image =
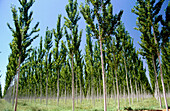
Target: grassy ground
{"type": "Point", "coordinates": [87, 105]}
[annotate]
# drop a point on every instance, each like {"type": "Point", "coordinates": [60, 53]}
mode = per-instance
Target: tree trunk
{"type": "Point", "coordinates": [99, 86]}
{"type": "Point", "coordinates": [114, 89]}
{"type": "Point", "coordinates": [47, 89]}
{"type": "Point", "coordinates": [58, 90]}
{"type": "Point", "coordinates": [40, 87]}
{"type": "Point", "coordinates": [157, 86]}
{"type": "Point", "coordinates": [14, 91]}
{"type": "Point", "coordinates": [127, 80]}
{"type": "Point", "coordinates": [131, 87]}
{"type": "Point", "coordinates": [65, 92]}
{"type": "Point", "coordinates": [35, 95]}
{"type": "Point", "coordinates": [76, 89]}
{"type": "Point", "coordinates": [164, 92]}
{"type": "Point", "coordinates": [54, 91]}
{"type": "Point", "coordinates": [158, 54]}
{"type": "Point", "coordinates": [136, 90]}
{"type": "Point", "coordinates": [72, 83]}
{"type": "Point", "coordinates": [168, 87]}
{"type": "Point", "coordinates": [117, 89]}
{"type": "Point", "coordinates": [17, 82]}
{"type": "Point", "coordinates": [103, 73]}
{"type": "Point", "coordinates": [80, 91]}
{"type": "Point", "coordinates": [97, 92]}
{"type": "Point", "coordinates": [92, 86]}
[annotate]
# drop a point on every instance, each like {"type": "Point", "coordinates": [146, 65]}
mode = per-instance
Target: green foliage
{"type": "Point", "coordinates": [22, 24]}
{"type": "Point", "coordinates": [147, 22]}
{"type": "Point", "coordinates": [103, 12]}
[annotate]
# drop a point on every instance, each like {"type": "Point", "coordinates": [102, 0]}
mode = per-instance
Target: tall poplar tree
{"type": "Point", "coordinates": [22, 36]}
{"type": "Point", "coordinates": [58, 55]}
{"type": "Point", "coordinates": [47, 45]}
{"type": "Point", "coordinates": [165, 45]}
{"type": "Point", "coordinates": [90, 61]}
{"type": "Point", "coordinates": [41, 53]}
{"type": "Point", "coordinates": [73, 39]}
{"type": "Point", "coordinates": [148, 18]}
{"type": "Point", "coordinates": [106, 24]}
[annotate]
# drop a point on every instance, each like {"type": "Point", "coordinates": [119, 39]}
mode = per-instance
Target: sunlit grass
{"type": "Point", "coordinates": [86, 105]}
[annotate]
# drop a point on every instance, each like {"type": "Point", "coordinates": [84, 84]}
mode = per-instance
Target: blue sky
{"type": "Point", "coordinates": [46, 12]}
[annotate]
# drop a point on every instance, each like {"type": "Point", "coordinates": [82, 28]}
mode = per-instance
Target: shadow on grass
{"type": "Point", "coordinates": [37, 109]}
{"type": "Point", "coordinates": [139, 109]}
{"type": "Point", "coordinates": [7, 110]}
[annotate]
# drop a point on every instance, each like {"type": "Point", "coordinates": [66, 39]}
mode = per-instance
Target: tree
{"type": "Point", "coordinates": [59, 57]}
{"type": "Point", "coordinates": [107, 23]}
{"type": "Point", "coordinates": [117, 51]}
{"type": "Point", "coordinates": [165, 32]}
{"type": "Point", "coordinates": [47, 45]}
{"type": "Point", "coordinates": [90, 61]}
{"type": "Point", "coordinates": [73, 39]}
{"type": "Point", "coordinates": [148, 19]}
{"type": "Point", "coordinates": [41, 53]}
{"type": "Point", "coordinates": [125, 48]}
{"type": "Point", "coordinates": [21, 35]}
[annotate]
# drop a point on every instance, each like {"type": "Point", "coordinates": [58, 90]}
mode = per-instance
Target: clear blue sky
{"type": "Point", "coordinates": [46, 12]}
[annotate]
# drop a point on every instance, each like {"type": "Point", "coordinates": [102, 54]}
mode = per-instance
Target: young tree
{"type": "Point", "coordinates": [73, 39]}
{"type": "Point", "coordinates": [106, 24]}
{"type": "Point", "coordinates": [59, 57]}
{"type": "Point", "coordinates": [117, 53]}
{"type": "Point", "coordinates": [47, 45]}
{"type": "Point", "coordinates": [90, 61]}
{"type": "Point", "coordinates": [41, 53]}
{"type": "Point", "coordinates": [21, 35]}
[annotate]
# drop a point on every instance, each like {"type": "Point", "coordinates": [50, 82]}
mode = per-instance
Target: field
{"type": "Point", "coordinates": [86, 105]}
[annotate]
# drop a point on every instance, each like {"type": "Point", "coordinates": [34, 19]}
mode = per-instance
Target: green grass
{"type": "Point", "coordinates": [86, 105]}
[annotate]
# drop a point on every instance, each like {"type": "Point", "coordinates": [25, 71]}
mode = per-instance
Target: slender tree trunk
{"type": "Point", "coordinates": [76, 89]}
{"type": "Point", "coordinates": [72, 83]}
{"type": "Point", "coordinates": [100, 92]}
{"type": "Point", "coordinates": [14, 91]}
{"type": "Point", "coordinates": [114, 87]}
{"type": "Point", "coordinates": [131, 87]}
{"type": "Point", "coordinates": [164, 92]}
{"type": "Point", "coordinates": [65, 92]}
{"type": "Point", "coordinates": [158, 54]}
{"type": "Point", "coordinates": [103, 74]}
{"type": "Point", "coordinates": [35, 95]}
{"type": "Point", "coordinates": [99, 86]}
{"type": "Point", "coordinates": [168, 87]}
{"type": "Point", "coordinates": [97, 92]}
{"type": "Point", "coordinates": [118, 101]}
{"type": "Point", "coordinates": [58, 90]}
{"type": "Point", "coordinates": [127, 80]}
{"type": "Point", "coordinates": [137, 96]}
{"type": "Point", "coordinates": [17, 82]}
{"type": "Point", "coordinates": [80, 91]}
{"type": "Point", "coordinates": [157, 86]}
{"type": "Point", "coordinates": [54, 91]}
{"type": "Point", "coordinates": [47, 89]}
{"type": "Point", "coordinates": [141, 92]}
{"type": "Point", "coordinates": [92, 86]}
{"type": "Point", "coordinates": [136, 90]}
{"type": "Point", "coordinates": [40, 87]}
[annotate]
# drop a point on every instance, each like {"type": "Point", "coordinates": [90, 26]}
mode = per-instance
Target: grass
{"type": "Point", "coordinates": [86, 105]}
